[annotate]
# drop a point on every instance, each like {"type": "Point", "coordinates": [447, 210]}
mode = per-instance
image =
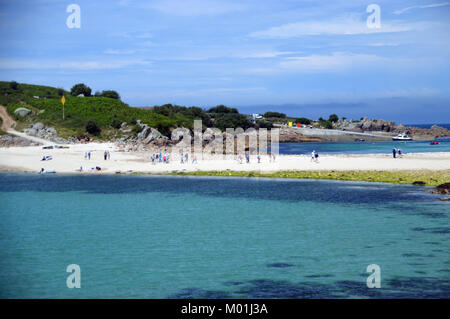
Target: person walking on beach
{"type": "Point", "coordinates": [313, 156]}
{"type": "Point", "coordinates": [194, 159]}
{"type": "Point", "coordinates": [394, 152]}
{"type": "Point", "coordinates": [399, 151]}
{"type": "Point", "coordinates": [85, 155]}
{"type": "Point", "coordinates": [181, 159]}
{"type": "Point", "coordinates": [259, 159]}
{"type": "Point", "coordinates": [89, 155]}
{"type": "Point", "coordinates": [186, 158]}
{"type": "Point", "coordinates": [109, 155]}
{"type": "Point", "coordinates": [247, 157]}
{"type": "Point", "coordinates": [316, 155]}
{"type": "Point", "coordinates": [105, 155]}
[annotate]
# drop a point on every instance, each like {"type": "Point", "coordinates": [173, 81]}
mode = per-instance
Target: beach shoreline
{"type": "Point", "coordinates": [432, 167]}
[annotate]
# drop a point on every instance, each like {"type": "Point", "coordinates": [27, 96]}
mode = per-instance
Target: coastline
{"type": "Point", "coordinates": [431, 168]}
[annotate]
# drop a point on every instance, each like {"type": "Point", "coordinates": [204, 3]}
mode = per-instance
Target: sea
{"type": "Point", "coordinates": [207, 237]}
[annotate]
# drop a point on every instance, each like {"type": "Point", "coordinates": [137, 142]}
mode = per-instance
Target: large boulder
{"type": "Point", "coordinates": [22, 112]}
{"type": "Point", "coordinates": [38, 126]}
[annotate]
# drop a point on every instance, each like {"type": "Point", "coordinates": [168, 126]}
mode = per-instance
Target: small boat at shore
{"type": "Point", "coordinates": [402, 137]}
{"type": "Point", "coordinates": [434, 143]}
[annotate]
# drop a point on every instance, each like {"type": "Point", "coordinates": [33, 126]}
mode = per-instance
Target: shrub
{"type": "Point", "coordinates": [275, 115]}
{"type": "Point", "coordinates": [137, 129]}
{"type": "Point", "coordinates": [92, 127]}
{"type": "Point", "coordinates": [111, 94]}
{"type": "Point", "coordinates": [264, 124]}
{"type": "Point", "coordinates": [116, 123]}
{"type": "Point", "coordinates": [222, 109]}
{"type": "Point", "coordinates": [303, 120]}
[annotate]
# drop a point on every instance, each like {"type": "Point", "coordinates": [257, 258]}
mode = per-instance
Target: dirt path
{"type": "Point", "coordinates": [8, 123]}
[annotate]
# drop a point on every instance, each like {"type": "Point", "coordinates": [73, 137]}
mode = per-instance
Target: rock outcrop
{"type": "Point", "coordinates": [288, 135]}
{"type": "Point", "coordinates": [48, 133]}
{"type": "Point", "coordinates": [443, 189]}
{"type": "Point", "coordinates": [15, 141]}
{"type": "Point", "coordinates": [371, 125]}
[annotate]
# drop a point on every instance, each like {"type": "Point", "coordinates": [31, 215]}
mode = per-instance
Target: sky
{"type": "Point", "coordinates": [305, 58]}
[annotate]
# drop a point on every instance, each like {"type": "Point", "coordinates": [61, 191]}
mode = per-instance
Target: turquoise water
{"type": "Point", "coordinates": [177, 237]}
{"type": "Point", "coordinates": [364, 147]}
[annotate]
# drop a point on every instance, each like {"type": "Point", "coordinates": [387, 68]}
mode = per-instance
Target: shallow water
{"type": "Point", "coordinates": [177, 237]}
{"type": "Point", "coordinates": [364, 147]}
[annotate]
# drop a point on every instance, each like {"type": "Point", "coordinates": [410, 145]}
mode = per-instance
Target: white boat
{"type": "Point", "coordinates": [402, 137]}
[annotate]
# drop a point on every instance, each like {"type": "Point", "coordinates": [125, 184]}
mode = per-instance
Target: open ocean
{"type": "Point", "coordinates": [186, 237]}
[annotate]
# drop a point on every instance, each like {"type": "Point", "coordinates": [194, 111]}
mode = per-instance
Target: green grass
{"type": "Point", "coordinates": [431, 178]}
{"type": "Point", "coordinates": [78, 110]}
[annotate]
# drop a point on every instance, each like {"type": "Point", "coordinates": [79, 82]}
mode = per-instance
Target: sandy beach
{"type": "Point", "coordinates": [69, 160]}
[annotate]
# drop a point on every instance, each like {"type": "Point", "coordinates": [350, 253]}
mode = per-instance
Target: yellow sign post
{"type": "Point", "coordinates": [63, 101]}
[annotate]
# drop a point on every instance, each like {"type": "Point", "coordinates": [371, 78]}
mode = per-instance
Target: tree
{"type": "Point", "coordinates": [14, 85]}
{"type": "Point", "coordinates": [275, 115]}
{"type": "Point", "coordinates": [60, 91]}
{"type": "Point", "coordinates": [333, 118]}
{"type": "Point", "coordinates": [80, 88]}
{"type": "Point", "coordinates": [92, 127]}
{"type": "Point", "coordinates": [111, 94]}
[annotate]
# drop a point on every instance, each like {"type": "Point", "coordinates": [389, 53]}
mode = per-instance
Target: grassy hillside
{"type": "Point", "coordinates": [106, 112]}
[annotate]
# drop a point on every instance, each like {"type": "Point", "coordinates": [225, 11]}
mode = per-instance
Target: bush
{"type": "Point", "coordinates": [222, 109]}
{"type": "Point", "coordinates": [80, 88]}
{"type": "Point", "coordinates": [14, 85]}
{"type": "Point", "coordinates": [92, 127]}
{"type": "Point", "coordinates": [326, 124]}
{"type": "Point", "coordinates": [303, 120]}
{"type": "Point", "coordinates": [275, 115]}
{"type": "Point", "coordinates": [111, 94]}
{"type": "Point", "coordinates": [116, 123]}
{"type": "Point", "coordinates": [264, 124]}
{"type": "Point", "coordinates": [137, 129]}
{"type": "Point", "coordinates": [60, 92]}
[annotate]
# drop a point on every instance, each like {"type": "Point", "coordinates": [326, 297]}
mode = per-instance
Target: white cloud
{"type": "Point", "coordinates": [195, 7]}
{"type": "Point", "coordinates": [119, 52]}
{"type": "Point", "coordinates": [383, 44]}
{"type": "Point", "coordinates": [337, 61]}
{"type": "Point", "coordinates": [433, 5]}
{"type": "Point", "coordinates": [70, 65]}
{"type": "Point", "coordinates": [334, 62]}
{"type": "Point", "coordinates": [341, 26]}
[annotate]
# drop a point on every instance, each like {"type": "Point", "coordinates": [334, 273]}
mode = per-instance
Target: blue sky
{"type": "Point", "coordinates": [307, 58]}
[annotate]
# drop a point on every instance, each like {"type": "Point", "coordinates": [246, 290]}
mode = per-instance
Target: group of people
{"type": "Point", "coordinates": [165, 158]}
{"type": "Point", "coordinates": [396, 151]}
{"type": "Point", "coordinates": [106, 155]}
{"type": "Point", "coordinates": [240, 158]}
